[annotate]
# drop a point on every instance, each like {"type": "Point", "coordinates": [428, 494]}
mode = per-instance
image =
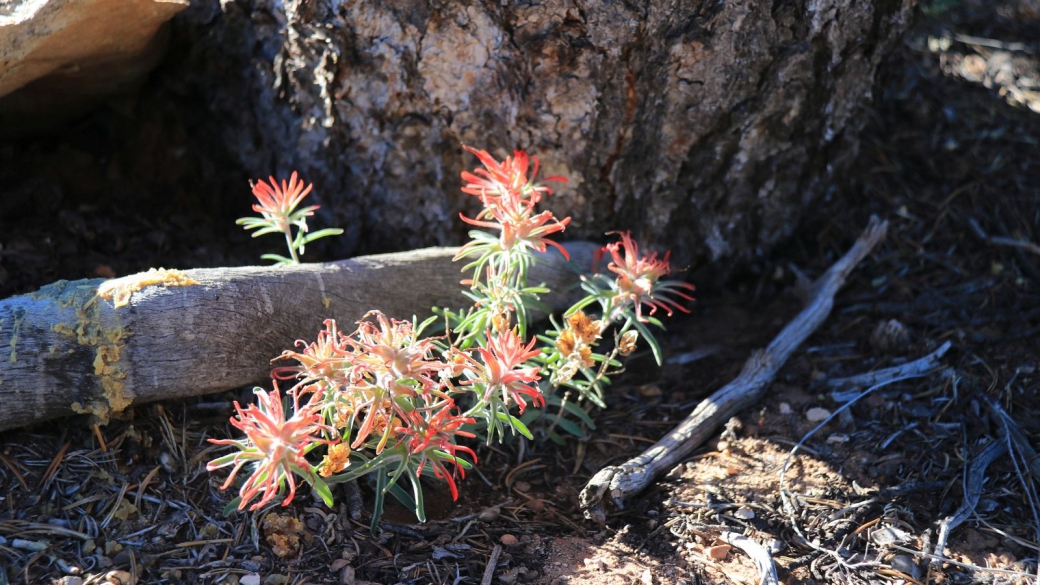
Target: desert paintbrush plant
{"type": "Point", "coordinates": [389, 402]}
{"type": "Point", "coordinates": [278, 215]}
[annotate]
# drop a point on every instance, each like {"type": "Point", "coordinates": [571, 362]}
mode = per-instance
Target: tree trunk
{"type": "Point", "coordinates": [703, 125]}
{"type": "Point", "coordinates": [98, 347]}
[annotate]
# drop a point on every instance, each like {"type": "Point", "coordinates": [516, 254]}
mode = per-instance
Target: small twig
{"type": "Point", "coordinates": [1002, 241]}
{"type": "Point", "coordinates": [974, 477]}
{"type": "Point", "coordinates": [1019, 439]}
{"type": "Point", "coordinates": [636, 474]}
{"type": "Point", "coordinates": [993, 43]}
{"type": "Point", "coordinates": [758, 553]}
{"type": "Point", "coordinates": [489, 571]}
{"type": "Point", "coordinates": [917, 367]}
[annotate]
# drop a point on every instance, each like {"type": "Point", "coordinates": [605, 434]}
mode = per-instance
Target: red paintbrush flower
{"type": "Point", "coordinates": [639, 278]}
{"type": "Point", "coordinates": [278, 202]}
{"type": "Point", "coordinates": [509, 198]}
{"type": "Point", "coordinates": [425, 438]}
{"type": "Point", "coordinates": [273, 444]}
{"type": "Point", "coordinates": [501, 372]}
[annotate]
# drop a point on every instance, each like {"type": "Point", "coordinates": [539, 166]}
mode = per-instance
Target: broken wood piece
{"type": "Point", "coordinates": [758, 553]}
{"type": "Point", "coordinates": [629, 478]}
{"type": "Point", "coordinates": [975, 478]}
{"type": "Point", "coordinates": [920, 366]}
{"type": "Point", "coordinates": [72, 347]}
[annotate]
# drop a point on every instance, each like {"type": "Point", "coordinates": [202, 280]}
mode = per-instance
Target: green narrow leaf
{"type": "Point", "coordinates": [570, 427]}
{"type": "Point", "coordinates": [323, 490]}
{"type": "Point", "coordinates": [420, 511]}
{"type": "Point", "coordinates": [515, 424]}
{"type": "Point", "coordinates": [402, 496]}
{"type": "Point", "coordinates": [321, 234]}
{"type": "Point", "coordinates": [232, 506]}
{"type": "Point", "coordinates": [649, 337]}
{"type": "Point", "coordinates": [581, 414]}
{"type": "Point", "coordinates": [281, 260]}
{"type": "Point", "coordinates": [377, 505]}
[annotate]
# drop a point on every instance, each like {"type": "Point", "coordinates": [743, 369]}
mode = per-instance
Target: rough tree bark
{"type": "Point", "coordinates": [704, 125]}
{"type": "Point", "coordinates": [98, 347]}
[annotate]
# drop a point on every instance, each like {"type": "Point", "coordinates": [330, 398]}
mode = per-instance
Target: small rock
{"type": "Point", "coordinates": [649, 391]}
{"type": "Point", "coordinates": [536, 506]}
{"type": "Point", "coordinates": [489, 515]}
{"type": "Point", "coordinates": [346, 576]}
{"type": "Point", "coordinates": [250, 579]}
{"type": "Point", "coordinates": [837, 439]}
{"type": "Point", "coordinates": [889, 535]}
{"type": "Point", "coordinates": [522, 486]}
{"type": "Point", "coordinates": [122, 558]}
{"type": "Point", "coordinates": [817, 414]}
{"type": "Point", "coordinates": [906, 565]}
{"type": "Point", "coordinates": [717, 552]}
{"type": "Point", "coordinates": [647, 578]}
{"type": "Point", "coordinates": [784, 408]}
{"type": "Point", "coordinates": [508, 540]}
{"type": "Point", "coordinates": [120, 578]}
{"type": "Point", "coordinates": [744, 513]}
{"type": "Point", "coordinates": [71, 580]}
{"type": "Point", "coordinates": [596, 564]}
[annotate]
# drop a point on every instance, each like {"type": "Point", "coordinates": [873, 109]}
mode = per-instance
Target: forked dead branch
{"type": "Point", "coordinates": [620, 482]}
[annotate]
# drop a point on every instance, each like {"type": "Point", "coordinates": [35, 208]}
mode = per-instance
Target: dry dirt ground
{"type": "Point", "coordinates": [952, 160]}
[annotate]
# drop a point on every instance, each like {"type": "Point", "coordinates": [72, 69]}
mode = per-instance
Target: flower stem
{"type": "Point", "coordinates": [289, 242]}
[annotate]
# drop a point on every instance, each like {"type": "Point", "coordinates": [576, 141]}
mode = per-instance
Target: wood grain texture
{"type": "Point", "coordinates": [66, 351]}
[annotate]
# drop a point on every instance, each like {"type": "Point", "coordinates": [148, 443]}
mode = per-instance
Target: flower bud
{"type": "Point", "coordinates": [627, 344]}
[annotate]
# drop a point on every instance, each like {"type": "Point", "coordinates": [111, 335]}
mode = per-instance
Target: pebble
{"type": "Point", "coordinates": [522, 486]}
{"type": "Point", "coordinates": [889, 535]}
{"type": "Point", "coordinates": [744, 513]}
{"type": "Point", "coordinates": [508, 539]}
{"type": "Point", "coordinates": [906, 565]}
{"type": "Point", "coordinates": [717, 552]}
{"type": "Point", "coordinates": [489, 515]}
{"type": "Point", "coordinates": [649, 391]}
{"type": "Point", "coordinates": [119, 578]}
{"type": "Point", "coordinates": [817, 414]}
{"type": "Point", "coordinates": [784, 408]}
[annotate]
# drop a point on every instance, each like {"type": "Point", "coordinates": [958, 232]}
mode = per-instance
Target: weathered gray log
{"type": "Point", "coordinates": [620, 482]}
{"type": "Point", "coordinates": [69, 349]}
{"type": "Point", "coordinates": [705, 126]}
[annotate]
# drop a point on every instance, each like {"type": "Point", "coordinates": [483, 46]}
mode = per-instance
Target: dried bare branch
{"type": "Point", "coordinates": [758, 553]}
{"type": "Point", "coordinates": [631, 477]}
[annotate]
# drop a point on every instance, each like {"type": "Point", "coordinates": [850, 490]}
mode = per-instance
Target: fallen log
{"type": "Point", "coordinates": [97, 347]}
{"type": "Point", "coordinates": [633, 476]}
